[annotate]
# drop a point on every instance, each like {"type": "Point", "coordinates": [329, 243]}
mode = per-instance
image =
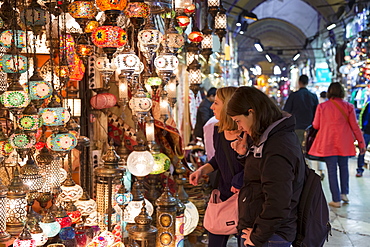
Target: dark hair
{"type": "Point", "coordinates": [335, 90]}
{"type": "Point", "coordinates": [225, 121]}
{"type": "Point", "coordinates": [303, 79]}
{"type": "Point", "coordinates": [323, 94]}
{"type": "Point", "coordinates": [211, 92]}
{"type": "Point", "coordinates": [265, 111]}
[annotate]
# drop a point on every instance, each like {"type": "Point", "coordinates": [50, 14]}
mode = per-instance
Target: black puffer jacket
{"type": "Point", "coordinates": [273, 181]}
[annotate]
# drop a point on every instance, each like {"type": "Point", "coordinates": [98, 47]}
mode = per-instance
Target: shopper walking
{"type": "Point", "coordinates": [336, 123]}
{"type": "Point", "coordinates": [273, 172]}
{"type": "Point", "coordinates": [302, 105]}
{"type": "Point", "coordinates": [224, 133]}
{"type": "Point", "coordinates": [204, 112]}
{"type": "Point", "coordinates": [364, 121]}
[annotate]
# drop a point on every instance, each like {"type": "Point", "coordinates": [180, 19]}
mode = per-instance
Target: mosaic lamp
{"type": "Point", "coordinates": [15, 98]}
{"type": "Point", "coordinates": [73, 212]}
{"type": "Point", "coordinates": [86, 205]}
{"type": "Point", "coordinates": [22, 142]}
{"type": "Point", "coordinates": [16, 37]}
{"type": "Point", "coordinates": [165, 64]}
{"type": "Point", "coordinates": [195, 76]}
{"type": "Point", "coordinates": [5, 147]}
{"type": "Point", "coordinates": [4, 235]}
{"type": "Point", "coordinates": [149, 39]}
{"type": "Point", "coordinates": [34, 16]}
{"type": "Point", "coordinates": [173, 39]}
{"type": "Point", "coordinates": [39, 89]}
{"type": "Point", "coordinates": [54, 114]}
{"type": "Point", "coordinates": [61, 141]}
{"type": "Point", "coordinates": [10, 63]}
{"type": "Point", "coordinates": [49, 225]}
{"type": "Point", "coordinates": [139, 103]}
{"type": "Point", "coordinates": [37, 233]}
{"type": "Point", "coordinates": [16, 205]}
{"type": "Point", "coordinates": [207, 42]}
{"type": "Point", "coordinates": [62, 218]}
{"type": "Point", "coordinates": [106, 67]}
{"type": "Point", "coordinates": [183, 21]}
{"type": "Point", "coordinates": [30, 120]}
{"type": "Point", "coordinates": [82, 11]}
{"type": "Point", "coordinates": [83, 47]}
{"type": "Point", "coordinates": [24, 239]}
{"type": "Point", "coordinates": [137, 11]}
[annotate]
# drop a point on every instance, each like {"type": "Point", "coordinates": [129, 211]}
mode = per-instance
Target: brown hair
{"type": "Point", "coordinates": [335, 90]}
{"type": "Point", "coordinates": [225, 121]}
{"type": "Point", "coordinates": [265, 111]}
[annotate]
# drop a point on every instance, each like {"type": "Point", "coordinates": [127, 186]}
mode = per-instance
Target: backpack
{"type": "Point", "coordinates": [313, 226]}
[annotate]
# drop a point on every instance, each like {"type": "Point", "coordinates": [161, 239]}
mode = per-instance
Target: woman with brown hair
{"type": "Point", "coordinates": [224, 133]}
{"type": "Point", "coordinates": [274, 169]}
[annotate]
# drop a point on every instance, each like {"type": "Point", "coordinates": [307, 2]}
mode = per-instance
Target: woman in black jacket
{"type": "Point", "coordinates": [274, 169]}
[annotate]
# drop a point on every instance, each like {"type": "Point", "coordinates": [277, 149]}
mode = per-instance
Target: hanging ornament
{"type": "Point", "coordinates": [30, 119]}
{"type": "Point", "coordinates": [61, 141]}
{"type": "Point", "coordinates": [207, 42]}
{"type": "Point", "coordinates": [84, 48]}
{"type": "Point", "coordinates": [166, 63]}
{"type": "Point", "coordinates": [183, 21]}
{"type": "Point", "coordinates": [137, 11]}
{"type": "Point", "coordinates": [9, 37]}
{"type": "Point", "coordinates": [213, 6]}
{"type": "Point", "coordinates": [106, 67]}
{"type": "Point", "coordinates": [172, 39]}
{"type": "Point", "coordinates": [221, 23]}
{"type": "Point", "coordinates": [195, 76]}
{"type": "Point", "coordinates": [15, 98]}
{"type": "Point", "coordinates": [195, 37]}
{"type": "Point", "coordinates": [34, 16]}
{"type": "Point", "coordinates": [54, 114]}
{"type": "Point", "coordinates": [82, 11]}
{"type": "Point", "coordinates": [150, 39]}
{"type": "Point", "coordinates": [140, 104]}
{"type": "Point", "coordinates": [13, 63]}
{"type": "Point", "coordinates": [39, 89]}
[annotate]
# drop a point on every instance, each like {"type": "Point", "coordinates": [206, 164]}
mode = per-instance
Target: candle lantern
{"type": "Point", "coordinates": [4, 235]}
{"type": "Point", "coordinates": [166, 219]}
{"type": "Point", "coordinates": [137, 11]}
{"type": "Point", "coordinates": [16, 205]}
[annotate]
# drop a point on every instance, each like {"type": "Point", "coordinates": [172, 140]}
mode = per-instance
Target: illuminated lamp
{"type": "Point", "coordinates": [91, 25]}
{"type": "Point", "coordinates": [164, 106]}
{"type": "Point", "coordinates": [86, 205]}
{"type": "Point", "coordinates": [190, 10]}
{"type": "Point", "coordinates": [83, 47]}
{"type": "Point", "coordinates": [34, 16]}
{"type": "Point", "coordinates": [207, 42]}
{"type": "Point", "coordinates": [49, 225]}
{"type": "Point", "coordinates": [173, 40]}
{"type": "Point", "coordinates": [213, 6]}
{"type": "Point", "coordinates": [137, 12]}
{"type": "Point", "coordinates": [183, 21]}
{"type": "Point", "coordinates": [109, 38]}
{"type": "Point", "coordinates": [166, 63]}
{"type": "Point", "coordinates": [61, 141]}
{"type": "Point", "coordinates": [8, 37]}
{"type": "Point", "coordinates": [67, 233]}
{"type": "Point", "coordinates": [140, 162]}
{"type": "Point", "coordinates": [29, 121]}
{"type": "Point", "coordinates": [54, 114]}
{"type": "Point", "coordinates": [191, 217]}
{"type": "Point", "coordinates": [221, 23]}
{"type": "Point", "coordinates": [30, 175]}
{"type": "Point", "coordinates": [39, 89]}
{"type": "Point", "coordinates": [13, 64]}
{"type": "Point", "coordinates": [15, 98]}
{"type": "Point", "coordinates": [195, 37]}
{"type": "Point", "coordinates": [21, 140]}
{"type": "Point", "coordinates": [62, 218]}
{"type": "Point", "coordinates": [140, 104]}
{"type": "Point", "coordinates": [16, 205]}
{"type": "Point", "coordinates": [111, 7]}
{"type": "Point", "coordinates": [171, 90]}
{"type": "Point", "coordinates": [24, 239]}
{"type": "Point", "coordinates": [195, 76]}
{"type": "Point", "coordinates": [73, 212]}
{"type": "Point", "coordinates": [106, 67]}
{"type": "Point", "coordinates": [103, 101]}
{"type": "Point", "coordinates": [82, 11]}
{"type": "Point", "coordinates": [37, 233]}
{"type": "Point", "coordinates": [4, 235]}
{"type": "Point", "coordinates": [149, 39]}
{"type": "Point", "coordinates": [150, 130]}
{"type": "Point", "coordinates": [161, 163]}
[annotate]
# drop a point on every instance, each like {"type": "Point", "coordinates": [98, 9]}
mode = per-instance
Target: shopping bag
{"type": "Point", "coordinates": [221, 217]}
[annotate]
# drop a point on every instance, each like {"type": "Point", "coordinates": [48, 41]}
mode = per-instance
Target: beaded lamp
{"type": "Point", "coordinates": [109, 38]}
{"type": "Point", "coordinates": [140, 104]}
{"type": "Point", "coordinates": [16, 205]}
{"type": "Point", "coordinates": [54, 114]}
{"type": "Point", "coordinates": [39, 89]}
{"type": "Point", "coordinates": [15, 98]}
{"type": "Point", "coordinates": [24, 239]}
{"type": "Point", "coordinates": [9, 37]}
{"type": "Point", "coordinates": [150, 39]}
{"type": "Point", "coordinates": [34, 16]}
{"type": "Point", "coordinates": [29, 121]}
{"type": "Point", "coordinates": [137, 11]}
{"type": "Point", "coordinates": [49, 225]}
{"type": "Point", "coordinates": [4, 235]}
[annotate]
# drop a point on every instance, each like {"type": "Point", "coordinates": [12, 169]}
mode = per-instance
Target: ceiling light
{"type": "Point", "coordinates": [238, 24]}
{"type": "Point", "coordinates": [258, 46]}
{"type": "Point", "coordinates": [268, 58]}
{"type": "Point", "coordinates": [296, 56]}
{"type": "Point", "coordinates": [241, 32]}
{"type": "Point", "coordinates": [249, 15]}
{"type": "Point", "coordinates": [331, 26]}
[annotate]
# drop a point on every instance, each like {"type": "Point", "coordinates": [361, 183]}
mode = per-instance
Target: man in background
{"type": "Point", "coordinates": [204, 112]}
{"type": "Point", "coordinates": [302, 105]}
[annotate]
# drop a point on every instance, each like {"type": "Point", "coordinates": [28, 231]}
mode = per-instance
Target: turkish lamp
{"type": "Point", "coordinates": [86, 205]}
{"type": "Point", "coordinates": [150, 130]}
{"type": "Point", "coordinates": [16, 38]}
{"type": "Point", "coordinates": [195, 37]}
{"type": "Point", "coordinates": [39, 89]}
{"type": "Point", "coordinates": [154, 82]}
{"type": "Point", "coordinates": [127, 61]}
{"type": "Point", "coordinates": [195, 76]}
{"type": "Point", "coordinates": [49, 225]}
{"type": "Point", "coordinates": [92, 24]}
{"type": "Point", "coordinates": [173, 40]}
{"type": "Point", "coordinates": [161, 163]}
{"type": "Point", "coordinates": [22, 142]}
{"type": "Point", "coordinates": [123, 88]}
{"type": "Point", "coordinates": [137, 11]}
{"type": "Point", "coordinates": [61, 141]}
{"type": "Point", "coordinates": [73, 212]}
{"type": "Point", "coordinates": [15, 98]}
{"type": "Point", "coordinates": [34, 16]}
{"type": "Point", "coordinates": [183, 21]}
{"type": "Point", "coordinates": [29, 121]}
{"type": "Point", "coordinates": [213, 6]}
{"type": "Point", "coordinates": [37, 234]}
{"type": "Point", "coordinates": [4, 235]}
{"type": "Point", "coordinates": [82, 11]}
{"type": "Point", "coordinates": [123, 197]}
{"type": "Point", "coordinates": [5, 147]}
{"type": "Point", "coordinates": [54, 114]}
{"type": "Point", "coordinates": [140, 104]}
{"type": "Point", "coordinates": [106, 67]}
{"type": "Point", "coordinates": [140, 162]}
{"type": "Point", "coordinates": [150, 39]}
{"type": "Point", "coordinates": [16, 205]}
{"type": "Point", "coordinates": [12, 64]}
{"type": "Point", "coordinates": [31, 176]}
{"type": "Point", "coordinates": [138, 70]}
{"type": "Point", "coordinates": [84, 48]}
{"type": "Point", "coordinates": [165, 64]}
{"type": "Point", "coordinates": [24, 239]}
{"type": "Point", "coordinates": [171, 90]}
{"type": "Point", "coordinates": [207, 43]}
{"type": "Point", "coordinates": [221, 23]}
{"type": "Point", "coordinates": [164, 106]}
{"type": "Point", "coordinates": [112, 9]}
{"type": "Point", "coordinates": [62, 218]}
{"type": "Point", "coordinates": [70, 191]}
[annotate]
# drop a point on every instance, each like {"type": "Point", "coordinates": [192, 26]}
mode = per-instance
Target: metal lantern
{"type": "Point", "coordinates": [221, 23]}
{"type": "Point", "coordinates": [4, 235]}
{"type": "Point", "coordinates": [207, 42]}
{"type": "Point", "coordinates": [150, 38]}
{"type": "Point", "coordinates": [140, 103]}
{"type": "Point", "coordinates": [195, 76]}
{"type": "Point", "coordinates": [84, 48]}
{"type": "Point", "coordinates": [39, 89]}
{"type": "Point", "coordinates": [166, 63]}
{"type": "Point", "coordinates": [30, 175]}
{"type": "Point", "coordinates": [213, 6]}
{"type": "Point", "coordinates": [9, 37]}
{"type": "Point", "coordinates": [106, 67]}
{"type": "Point", "coordinates": [137, 12]}
{"type": "Point", "coordinates": [16, 205]}
{"type": "Point", "coordinates": [109, 38]}
{"type": "Point", "coordinates": [161, 163]}
{"type": "Point", "coordinates": [49, 225]}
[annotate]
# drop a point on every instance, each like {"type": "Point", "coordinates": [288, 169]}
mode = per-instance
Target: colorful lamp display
{"type": "Point", "coordinates": [18, 37]}
{"type": "Point", "coordinates": [105, 5]}
{"type": "Point", "coordinates": [13, 63]}
{"type": "Point", "coordinates": [137, 10]}
{"type": "Point", "coordinates": [109, 38]}
{"type": "Point", "coordinates": [140, 163]}
{"type": "Point", "coordinates": [21, 140]}
{"type": "Point", "coordinates": [54, 116]}
{"type": "Point", "coordinates": [39, 88]}
{"type": "Point", "coordinates": [49, 225]}
{"type": "Point", "coordinates": [161, 163]}
{"type": "Point", "coordinates": [61, 142]}
{"type": "Point", "coordinates": [82, 9]}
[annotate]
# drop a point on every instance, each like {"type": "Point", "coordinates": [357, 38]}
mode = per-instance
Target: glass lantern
{"type": "Point", "coordinates": [54, 116]}
{"type": "Point", "coordinates": [37, 233]}
{"type": "Point", "coordinates": [127, 61]}
{"type": "Point", "coordinates": [106, 5]}
{"type": "Point", "coordinates": [109, 38]}
{"type": "Point", "coordinates": [150, 130]}
{"type": "Point", "coordinates": [106, 67]}
{"type": "Point", "coordinates": [30, 120]}
{"type": "Point", "coordinates": [18, 37]}
{"type": "Point", "coordinates": [13, 63]}
{"type": "Point", "coordinates": [173, 40]}
{"type": "Point", "coordinates": [70, 193]}
{"type": "Point", "coordinates": [161, 163]}
{"type": "Point", "coordinates": [61, 141]}
{"type": "Point", "coordinates": [30, 175]}
{"type": "Point", "coordinates": [140, 163]}
{"type": "Point", "coordinates": [213, 6]}
{"type": "Point", "coordinates": [166, 63]}
{"type": "Point", "coordinates": [133, 209]}
{"type": "Point", "coordinates": [73, 212]}
{"type": "Point", "coordinates": [21, 140]}
{"type": "Point", "coordinates": [62, 218]}
{"type": "Point", "coordinates": [34, 15]}
{"type": "Point", "coordinates": [149, 39]}
{"type": "Point", "coordinates": [86, 205]}
{"type": "Point", "coordinates": [195, 37]}
{"type": "Point", "coordinates": [24, 239]}
{"type": "Point", "coordinates": [49, 225]}
{"type": "Point", "coordinates": [82, 9]}
{"type": "Point", "coordinates": [140, 103]}
{"type": "Point", "coordinates": [221, 23]}
{"type": "Point", "coordinates": [39, 89]}
{"type": "Point", "coordinates": [4, 235]}
{"type": "Point", "coordinates": [137, 10]}
{"type": "Point", "coordinates": [84, 48]}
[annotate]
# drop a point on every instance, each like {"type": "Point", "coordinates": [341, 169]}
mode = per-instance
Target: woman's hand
{"type": "Point", "coordinates": [240, 145]}
{"type": "Point", "coordinates": [234, 190]}
{"type": "Point", "coordinates": [195, 177]}
{"type": "Point", "coordinates": [246, 233]}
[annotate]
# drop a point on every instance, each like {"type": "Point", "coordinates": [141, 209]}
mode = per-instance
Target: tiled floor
{"type": "Point", "coordinates": [351, 222]}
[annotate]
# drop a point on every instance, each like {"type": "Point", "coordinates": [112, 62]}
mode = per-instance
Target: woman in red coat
{"type": "Point", "coordinates": [336, 121]}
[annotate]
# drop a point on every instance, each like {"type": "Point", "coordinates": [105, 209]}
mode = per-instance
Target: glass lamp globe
{"type": "Point", "coordinates": [21, 140]}
{"type": "Point", "coordinates": [109, 38]}
{"type": "Point", "coordinates": [140, 163]}
{"type": "Point", "coordinates": [7, 37]}
{"type": "Point", "coordinates": [127, 61]}
{"type": "Point", "coordinates": [166, 62]}
{"type": "Point", "coordinates": [140, 103]}
{"type": "Point", "coordinates": [173, 39]}
{"type": "Point", "coordinates": [133, 209]}
{"type": "Point", "coordinates": [61, 141]}
{"type": "Point", "coordinates": [49, 225]}
{"type": "Point", "coordinates": [62, 218]}
{"type": "Point", "coordinates": [82, 9]}
{"type": "Point", "coordinates": [191, 218]}
{"type": "Point", "coordinates": [137, 10]}
{"type": "Point", "coordinates": [67, 233]}
{"type": "Point", "coordinates": [24, 243]}
{"type": "Point", "coordinates": [92, 219]}
{"type": "Point", "coordinates": [183, 21]}
{"type": "Point", "coordinates": [150, 38]}
{"type": "Point", "coordinates": [70, 193]}
{"type": "Point", "coordinates": [195, 37]}
{"type": "Point", "coordinates": [34, 15]}
{"type": "Point", "coordinates": [161, 163]}
{"type": "Point", "coordinates": [30, 175]}
{"type": "Point", "coordinates": [29, 121]}
{"type": "Point", "coordinates": [86, 207]}
{"type": "Point", "coordinates": [40, 238]}
{"type": "Point", "coordinates": [54, 116]}
{"type": "Point", "coordinates": [106, 5]}
{"type": "Point", "coordinates": [13, 63]}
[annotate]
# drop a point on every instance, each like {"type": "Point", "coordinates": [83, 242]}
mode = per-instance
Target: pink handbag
{"type": "Point", "coordinates": [221, 217]}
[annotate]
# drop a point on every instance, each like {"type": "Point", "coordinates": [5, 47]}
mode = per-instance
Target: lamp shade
{"type": "Point", "coordinates": [127, 61]}
{"type": "Point", "coordinates": [195, 36]}
{"type": "Point", "coordinates": [8, 37]}
{"type": "Point", "coordinates": [133, 209]}
{"type": "Point", "coordinates": [61, 142]}
{"type": "Point", "coordinates": [183, 21]}
{"type": "Point", "coordinates": [30, 175]}
{"type": "Point", "coordinates": [39, 89]}
{"type": "Point", "coordinates": [82, 9]}
{"type": "Point", "coordinates": [161, 163]}
{"type": "Point", "coordinates": [21, 140]}
{"type": "Point", "coordinates": [54, 116]}
{"type": "Point", "coordinates": [166, 62]}
{"type": "Point", "coordinates": [103, 100]}
{"type": "Point", "coordinates": [137, 10]}
{"type": "Point", "coordinates": [86, 207]}
{"type": "Point", "coordinates": [15, 99]}
{"type": "Point", "coordinates": [109, 36]}
{"type": "Point", "coordinates": [104, 5]}
{"type": "Point", "coordinates": [13, 63]}
{"type": "Point", "coordinates": [70, 193]}
{"type": "Point", "coordinates": [140, 163]}
{"type": "Point", "coordinates": [33, 15]}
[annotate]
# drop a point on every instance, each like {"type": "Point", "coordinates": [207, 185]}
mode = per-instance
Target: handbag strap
{"type": "Point", "coordinates": [226, 151]}
{"type": "Point", "coordinates": [340, 109]}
